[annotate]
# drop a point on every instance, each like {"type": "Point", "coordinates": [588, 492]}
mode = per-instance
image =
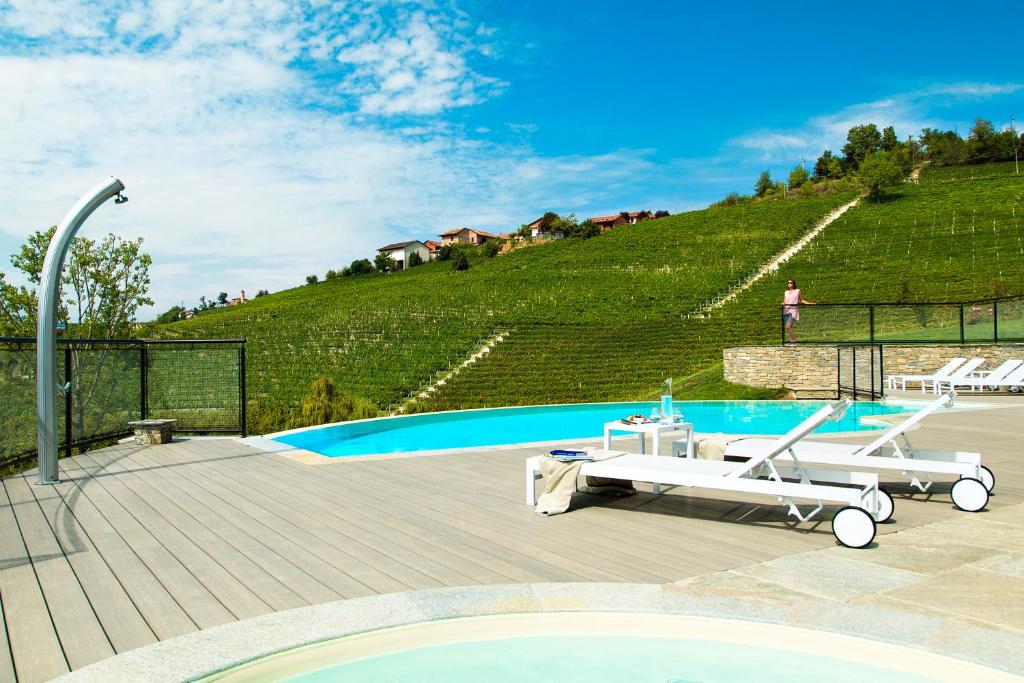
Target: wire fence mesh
{"type": "Point", "coordinates": [112, 382]}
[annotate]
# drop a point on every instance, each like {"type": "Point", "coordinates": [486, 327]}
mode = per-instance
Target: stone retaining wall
{"type": "Point", "coordinates": [810, 371]}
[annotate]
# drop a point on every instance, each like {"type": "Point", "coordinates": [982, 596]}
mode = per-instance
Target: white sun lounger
{"type": "Point", "coordinates": [1014, 381]}
{"type": "Point", "coordinates": [853, 525]}
{"type": "Point", "coordinates": [981, 380]}
{"type": "Point", "coordinates": [942, 372]}
{"type": "Point", "coordinates": [969, 493]}
{"type": "Point", "coordinates": [961, 372]}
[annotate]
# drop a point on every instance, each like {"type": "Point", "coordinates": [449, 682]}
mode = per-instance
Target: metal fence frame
{"type": "Point", "coordinates": [872, 306]}
{"type": "Point", "coordinates": [67, 346]}
{"type": "Point", "coordinates": [875, 387]}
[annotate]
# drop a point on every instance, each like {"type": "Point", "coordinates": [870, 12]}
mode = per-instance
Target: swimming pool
{"type": "Point", "coordinates": [500, 426]}
{"type": "Point", "coordinates": [603, 648]}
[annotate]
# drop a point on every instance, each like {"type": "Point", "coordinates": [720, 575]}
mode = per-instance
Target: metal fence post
{"type": "Point", "coordinates": [995, 321]}
{"type": "Point", "coordinates": [853, 364]}
{"type": "Point", "coordinates": [782, 324]}
{"type": "Point", "coordinates": [961, 323]}
{"type": "Point", "coordinates": [839, 372]}
{"type": "Point", "coordinates": [68, 441]}
{"type": "Point", "coordinates": [143, 381]}
{"type": "Point", "coordinates": [871, 323]}
{"type": "Point", "coordinates": [241, 387]}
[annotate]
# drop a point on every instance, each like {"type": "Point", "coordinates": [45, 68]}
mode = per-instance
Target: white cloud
{"type": "Point", "coordinates": [243, 170]}
{"type": "Point", "coordinates": [905, 112]}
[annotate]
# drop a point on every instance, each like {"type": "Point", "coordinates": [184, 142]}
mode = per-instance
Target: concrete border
{"type": "Point", "coordinates": [207, 652]}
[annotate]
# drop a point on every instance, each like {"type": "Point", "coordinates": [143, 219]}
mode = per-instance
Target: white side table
{"type": "Point", "coordinates": [655, 429]}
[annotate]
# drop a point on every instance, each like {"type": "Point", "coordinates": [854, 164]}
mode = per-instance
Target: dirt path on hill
{"type": "Point", "coordinates": [479, 352]}
{"type": "Point", "coordinates": [773, 265]}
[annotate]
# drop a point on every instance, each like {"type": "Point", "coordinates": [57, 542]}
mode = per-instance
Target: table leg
{"type": "Point", "coordinates": [643, 444]}
{"type": "Point", "coordinates": [607, 439]}
{"type": "Point", "coordinates": [655, 487]}
{"type": "Point", "coordinates": [689, 443]}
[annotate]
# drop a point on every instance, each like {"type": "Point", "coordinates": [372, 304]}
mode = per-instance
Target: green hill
{"type": "Point", "coordinates": [955, 235]}
{"type": "Point", "coordinates": [381, 336]}
{"type": "Point", "coordinates": [601, 319]}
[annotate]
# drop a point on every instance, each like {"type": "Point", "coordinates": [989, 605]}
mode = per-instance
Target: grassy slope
{"type": "Point", "coordinates": [382, 336]}
{"type": "Point", "coordinates": [956, 235]}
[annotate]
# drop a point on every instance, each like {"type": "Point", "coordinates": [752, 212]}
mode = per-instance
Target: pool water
{"type": "Point", "coordinates": [602, 659]}
{"type": "Point", "coordinates": [499, 426]}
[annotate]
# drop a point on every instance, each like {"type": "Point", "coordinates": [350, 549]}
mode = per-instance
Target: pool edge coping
{"type": "Point", "coordinates": [206, 652]}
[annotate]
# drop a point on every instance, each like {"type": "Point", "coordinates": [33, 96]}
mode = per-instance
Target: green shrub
{"type": "Point", "coordinates": [324, 403]}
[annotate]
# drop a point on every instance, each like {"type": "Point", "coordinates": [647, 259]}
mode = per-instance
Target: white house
{"type": "Point", "coordinates": [401, 251]}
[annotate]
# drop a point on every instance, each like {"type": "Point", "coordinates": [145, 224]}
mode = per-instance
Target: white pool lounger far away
{"type": "Point", "coordinates": [969, 493]}
{"type": "Point", "coordinates": [853, 525]}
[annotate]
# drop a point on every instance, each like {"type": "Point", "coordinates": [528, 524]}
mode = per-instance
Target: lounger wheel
{"type": "Point", "coordinates": [988, 478]}
{"type": "Point", "coordinates": [969, 494]}
{"type": "Point", "coordinates": [853, 527]}
{"type": "Point", "coordinates": [885, 506]}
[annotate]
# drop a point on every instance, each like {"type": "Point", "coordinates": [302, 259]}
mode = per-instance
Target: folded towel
{"type": "Point", "coordinates": [560, 481]}
{"type": "Point", "coordinates": [711, 446]}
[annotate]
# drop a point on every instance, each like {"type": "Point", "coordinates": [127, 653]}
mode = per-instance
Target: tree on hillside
{"type": "Point", "coordinates": [943, 147]}
{"type": "Point", "coordinates": [312, 279]}
{"type": "Point", "coordinates": [174, 313]}
{"type": "Point", "coordinates": [827, 166]}
{"type": "Point", "coordinates": [384, 263]}
{"type": "Point", "coordinates": [798, 176]}
{"type": "Point", "coordinates": [459, 260]}
{"type": "Point", "coordinates": [332, 274]}
{"type": "Point", "coordinates": [262, 292]}
{"type": "Point", "coordinates": [878, 172]}
{"type": "Point", "coordinates": [889, 139]}
{"type": "Point", "coordinates": [222, 298]}
{"type": "Point", "coordinates": [764, 184]}
{"type": "Point", "coordinates": [360, 266]}
{"type": "Point", "coordinates": [860, 142]}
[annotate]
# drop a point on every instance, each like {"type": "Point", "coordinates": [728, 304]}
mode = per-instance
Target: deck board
{"type": "Point", "coordinates": [141, 544]}
{"type": "Point", "coordinates": [81, 634]}
{"type": "Point", "coordinates": [35, 650]}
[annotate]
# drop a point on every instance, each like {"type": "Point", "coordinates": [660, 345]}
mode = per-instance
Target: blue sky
{"type": "Point", "coordinates": [265, 140]}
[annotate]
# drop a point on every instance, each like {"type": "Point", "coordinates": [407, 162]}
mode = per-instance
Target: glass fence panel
{"type": "Point", "coordinates": [979, 322]}
{"type": "Point", "coordinates": [831, 324]}
{"type": "Point", "coordinates": [918, 323]}
{"type": "Point", "coordinates": [1010, 316]}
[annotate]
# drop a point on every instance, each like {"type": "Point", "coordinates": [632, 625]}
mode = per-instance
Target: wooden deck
{"type": "Point", "coordinates": [142, 544]}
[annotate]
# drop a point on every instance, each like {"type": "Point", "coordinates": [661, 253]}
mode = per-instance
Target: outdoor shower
{"type": "Point", "coordinates": [46, 332]}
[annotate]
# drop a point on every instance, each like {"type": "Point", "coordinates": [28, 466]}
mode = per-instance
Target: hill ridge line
{"type": "Point", "coordinates": [484, 348]}
{"type": "Point", "coordinates": [771, 266]}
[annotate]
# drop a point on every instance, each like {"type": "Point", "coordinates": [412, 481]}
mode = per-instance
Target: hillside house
{"type": "Point", "coordinates": [626, 218]}
{"type": "Point", "coordinates": [238, 300]}
{"type": "Point", "coordinates": [536, 231]}
{"type": "Point", "coordinates": [466, 236]}
{"type": "Point", "coordinates": [433, 247]}
{"type": "Point", "coordinates": [609, 222]}
{"type": "Point", "coordinates": [401, 251]}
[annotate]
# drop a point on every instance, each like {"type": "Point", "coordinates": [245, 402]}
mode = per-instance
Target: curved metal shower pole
{"type": "Point", "coordinates": [46, 334]}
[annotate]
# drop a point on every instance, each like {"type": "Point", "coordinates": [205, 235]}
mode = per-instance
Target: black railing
{"type": "Point", "coordinates": [994, 320]}
{"type": "Point", "coordinates": [200, 383]}
{"type": "Point", "coordinates": [859, 371]}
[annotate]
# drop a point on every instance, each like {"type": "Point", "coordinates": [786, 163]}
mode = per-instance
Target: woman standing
{"type": "Point", "coordinates": [791, 301]}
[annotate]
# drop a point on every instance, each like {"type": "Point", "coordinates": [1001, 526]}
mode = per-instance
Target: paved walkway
{"type": "Point", "coordinates": [138, 545]}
